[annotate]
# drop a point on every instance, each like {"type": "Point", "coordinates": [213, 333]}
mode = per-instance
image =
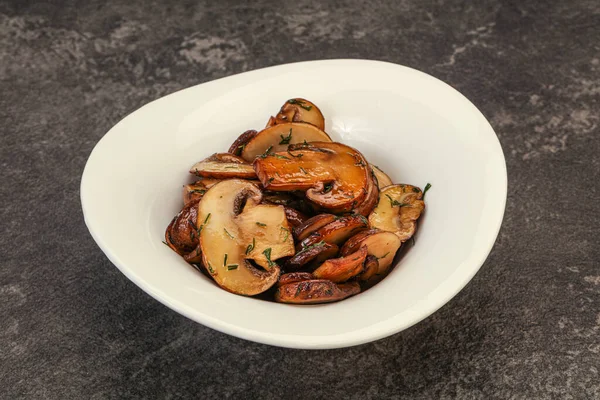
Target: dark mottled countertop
{"type": "Point", "coordinates": [73, 327]}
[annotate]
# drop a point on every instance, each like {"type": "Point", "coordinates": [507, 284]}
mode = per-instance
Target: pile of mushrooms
{"type": "Point", "coordinates": [289, 212]}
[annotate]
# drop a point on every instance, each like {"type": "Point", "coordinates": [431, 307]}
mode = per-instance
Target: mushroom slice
{"type": "Point", "coordinates": [239, 144]}
{"type": "Point", "coordinates": [317, 253]}
{"type": "Point", "coordinates": [382, 179]}
{"type": "Point", "coordinates": [196, 190]}
{"type": "Point", "coordinates": [315, 291]}
{"type": "Point", "coordinates": [338, 231]}
{"type": "Point", "coordinates": [278, 137]}
{"type": "Point", "coordinates": [294, 217]}
{"type": "Point", "coordinates": [293, 277]}
{"type": "Point", "coordinates": [341, 269]}
{"type": "Point", "coordinates": [272, 121]}
{"type": "Point", "coordinates": [226, 237]}
{"type": "Point", "coordinates": [266, 234]}
{"type": "Point", "coordinates": [398, 209]}
{"type": "Point", "coordinates": [223, 166]}
{"type": "Point", "coordinates": [370, 200]}
{"type": "Point", "coordinates": [334, 176]}
{"type": "Point", "coordinates": [182, 233]}
{"type": "Point", "coordinates": [370, 269]}
{"type": "Point", "coordinates": [195, 256]}
{"type": "Point", "coordinates": [380, 244]}
{"type": "Point", "coordinates": [313, 224]}
{"type": "Point", "coordinates": [300, 110]}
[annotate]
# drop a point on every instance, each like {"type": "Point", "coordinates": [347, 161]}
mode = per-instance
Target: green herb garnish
{"type": "Point", "coordinates": [251, 246]}
{"type": "Point", "coordinates": [201, 191]}
{"type": "Point", "coordinates": [267, 253]}
{"type": "Point", "coordinates": [427, 187]}
{"type": "Point", "coordinates": [266, 153]}
{"type": "Point", "coordinates": [396, 203]}
{"type": "Point", "coordinates": [303, 170]}
{"type": "Point", "coordinates": [207, 218]}
{"type": "Point", "coordinates": [300, 103]}
{"type": "Point", "coordinates": [232, 266]}
{"type": "Point", "coordinates": [287, 234]}
{"type": "Point", "coordinates": [210, 268]}
{"type": "Point", "coordinates": [280, 156]}
{"type": "Point", "coordinates": [327, 187]}
{"type": "Point", "coordinates": [286, 139]}
{"type": "Point", "coordinates": [227, 233]}
{"type": "Point", "coordinates": [261, 224]}
{"type": "Point", "coordinates": [298, 156]}
{"type": "Point", "coordinates": [225, 260]}
{"type": "Point", "coordinates": [416, 189]}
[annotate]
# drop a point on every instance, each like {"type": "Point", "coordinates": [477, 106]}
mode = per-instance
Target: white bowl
{"type": "Point", "coordinates": [415, 127]}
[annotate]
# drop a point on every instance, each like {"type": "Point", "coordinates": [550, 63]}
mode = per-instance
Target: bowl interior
{"type": "Point", "coordinates": [411, 125]}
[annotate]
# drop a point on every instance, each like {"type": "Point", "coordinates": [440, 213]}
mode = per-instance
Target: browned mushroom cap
{"type": "Point", "coordinates": [341, 269]}
{"type": "Point", "coordinates": [370, 200]}
{"type": "Point", "coordinates": [272, 121]}
{"type": "Point", "coordinates": [279, 137]}
{"type": "Point", "coordinates": [381, 244]}
{"type": "Point", "coordinates": [196, 190]}
{"type": "Point", "coordinates": [338, 231]}
{"type": "Point", "coordinates": [182, 233]}
{"type": "Point", "coordinates": [313, 224]}
{"type": "Point", "coordinates": [293, 277]}
{"type": "Point", "coordinates": [300, 110]}
{"type": "Point", "coordinates": [294, 217]}
{"type": "Point", "coordinates": [398, 209]}
{"type": "Point", "coordinates": [315, 291]}
{"type": "Point", "coordinates": [239, 144]}
{"type": "Point", "coordinates": [223, 166]}
{"type": "Point", "coordinates": [316, 253]}
{"type": "Point", "coordinates": [195, 256]}
{"type": "Point", "coordinates": [335, 176]}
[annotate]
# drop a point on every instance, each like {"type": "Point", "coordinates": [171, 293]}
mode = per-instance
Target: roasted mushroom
{"type": "Point", "coordinates": [382, 179]}
{"type": "Point", "coordinates": [239, 144]}
{"type": "Point", "coordinates": [398, 209]}
{"type": "Point", "coordinates": [196, 190]}
{"type": "Point", "coordinates": [336, 177]}
{"type": "Point", "coordinates": [341, 269]}
{"type": "Point", "coordinates": [380, 244]}
{"type": "Point", "coordinates": [277, 138]}
{"type": "Point", "coordinates": [300, 110]}
{"type": "Point", "coordinates": [313, 254]}
{"type": "Point", "coordinates": [338, 231]}
{"type": "Point", "coordinates": [293, 277]}
{"type": "Point", "coordinates": [315, 291]}
{"type": "Point", "coordinates": [230, 235]}
{"type": "Point", "coordinates": [313, 224]}
{"type": "Point", "coordinates": [223, 166]}
{"type": "Point", "coordinates": [182, 233]}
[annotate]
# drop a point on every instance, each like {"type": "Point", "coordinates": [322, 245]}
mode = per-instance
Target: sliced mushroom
{"type": "Point", "coordinates": [370, 201]}
{"type": "Point", "coordinates": [294, 217]}
{"type": "Point", "coordinates": [272, 121]}
{"type": "Point", "coordinates": [338, 231]}
{"type": "Point", "coordinates": [380, 244]}
{"type": "Point", "coordinates": [277, 138]}
{"type": "Point", "coordinates": [301, 110]}
{"type": "Point", "coordinates": [398, 209]}
{"type": "Point", "coordinates": [315, 291]}
{"type": "Point", "coordinates": [266, 233]}
{"type": "Point", "coordinates": [370, 269]}
{"type": "Point", "coordinates": [313, 224]}
{"type": "Point", "coordinates": [382, 179]}
{"type": "Point", "coordinates": [315, 253]}
{"type": "Point", "coordinates": [239, 144]}
{"type": "Point", "coordinates": [182, 233]}
{"type": "Point", "coordinates": [223, 166]}
{"type": "Point", "coordinates": [293, 277]}
{"type": "Point", "coordinates": [336, 177]}
{"type": "Point", "coordinates": [195, 256]}
{"type": "Point", "coordinates": [341, 269]}
{"type": "Point", "coordinates": [196, 190]}
{"type": "Point", "coordinates": [228, 237]}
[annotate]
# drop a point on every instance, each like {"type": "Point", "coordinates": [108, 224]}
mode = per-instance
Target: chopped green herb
{"type": "Point", "coordinates": [286, 139]}
{"type": "Point", "coordinates": [359, 163]}
{"type": "Point", "coordinates": [207, 218]}
{"type": "Point", "coordinates": [327, 187]}
{"type": "Point", "coordinates": [300, 103]}
{"type": "Point", "coordinates": [298, 156]}
{"type": "Point", "coordinates": [232, 266]}
{"type": "Point", "coordinates": [201, 191]}
{"type": "Point", "coordinates": [267, 253]}
{"type": "Point", "coordinates": [210, 268]}
{"type": "Point", "coordinates": [251, 246]}
{"type": "Point", "coordinates": [225, 260]}
{"type": "Point", "coordinates": [287, 234]}
{"type": "Point", "coordinates": [280, 156]}
{"type": "Point", "coordinates": [396, 203]}
{"type": "Point", "coordinates": [261, 224]}
{"type": "Point", "coordinates": [383, 256]}
{"type": "Point", "coordinates": [329, 292]}
{"type": "Point", "coordinates": [427, 187]}
{"type": "Point", "coordinates": [305, 142]}
{"type": "Point", "coordinates": [227, 233]}
{"type": "Point", "coordinates": [165, 243]}
{"type": "Point", "coordinates": [242, 147]}
{"type": "Point", "coordinates": [416, 189]}
{"type": "Point", "coordinates": [271, 179]}
{"type": "Point", "coordinates": [266, 153]}
{"type": "Point", "coordinates": [312, 246]}
{"type": "Point", "coordinates": [299, 289]}
{"type": "Point", "coordinates": [231, 167]}
{"type": "Point", "coordinates": [303, 170]}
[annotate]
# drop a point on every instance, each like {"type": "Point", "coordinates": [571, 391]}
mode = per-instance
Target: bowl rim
{"type": "Point", "coordinates": [443, 294]}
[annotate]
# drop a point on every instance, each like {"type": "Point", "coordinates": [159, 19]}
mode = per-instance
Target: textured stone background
{"type": "Point", "coordinates": [73, 327]}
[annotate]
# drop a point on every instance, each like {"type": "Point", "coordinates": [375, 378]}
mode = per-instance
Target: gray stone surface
{"type": "Point", "coordinates": [73, 327]}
